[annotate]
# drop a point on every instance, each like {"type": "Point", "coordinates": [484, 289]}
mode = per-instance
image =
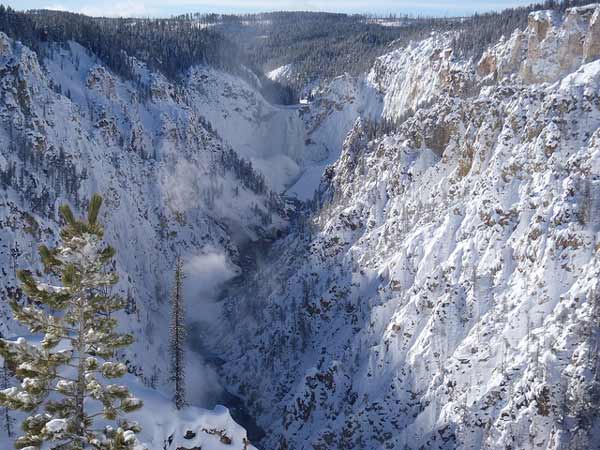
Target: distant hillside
{"type": "Point", "coordinates": [324, 45]}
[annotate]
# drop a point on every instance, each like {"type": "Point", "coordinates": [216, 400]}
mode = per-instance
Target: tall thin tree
{"type": "Point", "coordinates": [178, 334]}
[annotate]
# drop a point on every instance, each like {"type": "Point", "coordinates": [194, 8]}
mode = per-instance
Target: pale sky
{"type": "Point", "coordinates": [162, 8]}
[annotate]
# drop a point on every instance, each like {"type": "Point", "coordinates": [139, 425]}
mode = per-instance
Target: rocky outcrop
{"type": "Point", "coordinates": [412, 76]}
{"type": "Point", "coordinates": [591, 44]}
{"type": "Point", "coordinates": [505, 58]}
{"type": "Point", "coordinates": [551, 46]}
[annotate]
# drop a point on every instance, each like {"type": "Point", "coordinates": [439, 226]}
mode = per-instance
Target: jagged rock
{"type": "Point", "coordinates": [189, 434]}
{"type": "Point", "coordinates": [551, 46]}
{"type": "Point", "coordinates": [591, 45]}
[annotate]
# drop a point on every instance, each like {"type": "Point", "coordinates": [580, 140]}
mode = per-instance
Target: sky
{"type": "Point", "coordinates": [165, 8]}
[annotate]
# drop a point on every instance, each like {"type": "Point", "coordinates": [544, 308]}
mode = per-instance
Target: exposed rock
{"type": "Point", "coordinates": [189, 434]}
{"type": "Point", "coordinates": [591, 45]}
{"type": "Point", "coordinates": [551, 46]}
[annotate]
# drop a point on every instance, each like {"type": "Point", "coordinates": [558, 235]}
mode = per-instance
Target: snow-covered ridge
{"type": "Point", "coordinates": [171, 184]}
{"type": "Point", "coordinates": [414, 75]}
{"type": "Point", "coordinates": [282, 73]}
{"type": "Point", "coordinates": [445, 295]}
{"type": "Point", "coordinates": [551, 46]}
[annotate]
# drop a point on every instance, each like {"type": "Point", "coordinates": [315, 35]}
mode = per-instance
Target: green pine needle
{"type": "Point", "coordinates": [94, 209]}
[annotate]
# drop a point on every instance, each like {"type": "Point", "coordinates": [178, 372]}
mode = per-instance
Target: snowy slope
{"type": "Point", "coordinates": [289, 145]}
{"type": "Point", "coordinates": [165, 428]}
{"type": "Point", "coordinates": [171, 186]}
{"type": "Point", "coordinates": [167, 160]}
{"type": "Point", "coordinates": [327, 119]}
{"type": "Point", "coordinates": [282, 73]}
{"type": "Point", "coordinates": [445, 293]}
{"type": "Point", "coordinates": [272, 137]}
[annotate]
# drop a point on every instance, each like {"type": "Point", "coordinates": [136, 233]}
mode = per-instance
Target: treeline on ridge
{"type": "Point", "coordinates": [325, 45]}
{"type": "Point", "coordinates": [317, 45]}
{"type": "Point", "coordinates": [170, 46]}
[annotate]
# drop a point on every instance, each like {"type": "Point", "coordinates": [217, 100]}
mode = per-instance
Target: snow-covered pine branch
{"type": "Point", "coordinates": [74, 311]}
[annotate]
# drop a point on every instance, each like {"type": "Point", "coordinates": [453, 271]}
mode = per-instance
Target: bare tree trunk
{"type": "Point", "coordinates": [80, 388]}
{"type": "Point", "coordinates": [7, 418]}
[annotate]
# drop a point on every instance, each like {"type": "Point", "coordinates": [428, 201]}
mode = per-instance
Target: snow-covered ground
{"type": "Point", "coordinates": [281, 73]}
{"type": "Point", "coordinates": [166, 428]}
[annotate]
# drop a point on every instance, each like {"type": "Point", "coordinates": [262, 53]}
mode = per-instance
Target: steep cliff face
{"type": "Point", "coordinates": [171, 184]}
{"type": "Point", "coordinates": [445, 293]}
{"type": "Point", "coordinates": [551, 47]}
{"type": "Point", "coordinates": [416, 75]}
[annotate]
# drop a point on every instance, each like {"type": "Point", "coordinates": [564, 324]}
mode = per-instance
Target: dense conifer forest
{"type": "Point", "coordinates": [319, 45]}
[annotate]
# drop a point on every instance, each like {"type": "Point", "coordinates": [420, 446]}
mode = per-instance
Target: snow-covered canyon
{"type": "Point", "coordinates": [439, 290]}
{"type": "Point", "coordinates": [444, 295]}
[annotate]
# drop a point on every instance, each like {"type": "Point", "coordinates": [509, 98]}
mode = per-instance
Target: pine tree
{"type": "Point", "coordinates": [178, 336]}
{"type": "Point", "coordinates": [65, 387]}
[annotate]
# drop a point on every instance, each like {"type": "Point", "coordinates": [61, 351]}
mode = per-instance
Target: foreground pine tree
{"type": "Point", "coordinates": [64, 387]}
{"type": "Point", "coordinates": [178, 336]}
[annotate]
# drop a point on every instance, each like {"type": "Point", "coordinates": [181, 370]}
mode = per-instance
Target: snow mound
{"type": "Point", "coordinates": [282, 73]}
